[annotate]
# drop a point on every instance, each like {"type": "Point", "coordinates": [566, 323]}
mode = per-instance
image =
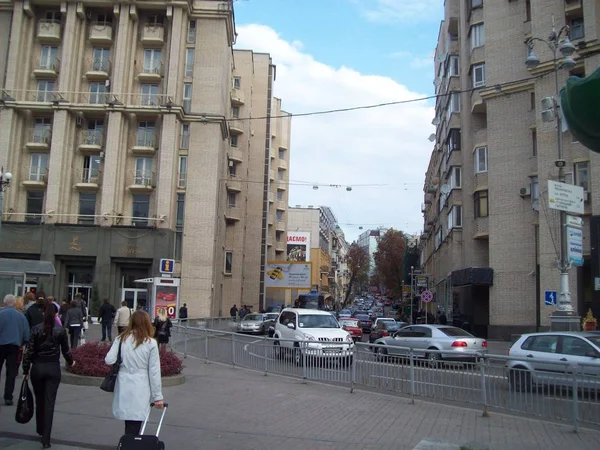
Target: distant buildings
{"type": "Point", "coordinates": [368, 241]}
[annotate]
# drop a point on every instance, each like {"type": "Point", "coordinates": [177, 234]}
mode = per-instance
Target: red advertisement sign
{"type": "Point", "coordinates": [166, 297]}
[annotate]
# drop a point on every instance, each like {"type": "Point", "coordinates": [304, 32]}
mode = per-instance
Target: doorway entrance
{"type": "Point", "coordinates": [135, 297]}
{"type": "Point", "coordinates": [80, 282]}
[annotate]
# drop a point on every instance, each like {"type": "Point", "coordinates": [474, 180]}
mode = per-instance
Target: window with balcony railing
{"type": "Point", "coordinates": [48, 58]}
{"type": "Point", "coordinates": [35, 206]}
{"type": "Point", "coordinates": [141, 210]}
{"type": "Point", "coordinates": [187, 97]}
{"type": "Point", "coordinates": [143, 171]}
{"type": "Point", "coordinates": [97, 93]}
{"type": "Point", "coordinates": [191, 33]}
{"type": "Point", "coordinates": [189, 62]}
{"type": "Point", "coordinates": [179, 218]}
{"type": "Point", "coordinates": [87, 208]}
{"type": "Point", "coordinates": [149, 95]}
{"type": "Point", "coordinates": [146, 134]}
{"type": "Point", "coordinates": [184, 143]}
{"type": "Point", "coordinates": [45, 91]}
{"type": "Point", "coordinates": [38, 166]}
{"type": "Point", "coordinates": [181, 181]}
{"type": "Point", "coordinates": [42, 130]}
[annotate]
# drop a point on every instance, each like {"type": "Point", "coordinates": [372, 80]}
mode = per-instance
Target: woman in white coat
{"type": "Point", "coordinates": [138, 383]}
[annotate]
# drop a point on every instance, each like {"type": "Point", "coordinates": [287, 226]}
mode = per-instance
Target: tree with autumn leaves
{"type": "Point", "coordinates": [357, 260]}
{"type": "Point", "coordinates": [389, 259]}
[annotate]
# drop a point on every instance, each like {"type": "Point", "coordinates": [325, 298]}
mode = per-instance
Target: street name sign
{"type": "Point", "coordinates": [574, 221]}
{"type": "Point", "coordinates": [565, 197]}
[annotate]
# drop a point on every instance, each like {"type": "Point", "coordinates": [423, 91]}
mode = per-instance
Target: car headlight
{"type": "Point", "coordinates": [349, 338]}
{"type": "Point", "coordinates": [309, 337]}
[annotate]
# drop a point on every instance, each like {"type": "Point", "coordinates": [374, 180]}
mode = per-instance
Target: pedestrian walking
{"type": "Point", "coordinates": [35, 313]}
{"type": "Point", "coordinates": [42, 356]}
{"type": "Point", "coordinates": [138, 382]}
{"type": "Point", "coordinates": [29, 300]}
{"type": "Point", "coordinates": [20, 304]}
{"type": "Point", "coordinates": [183, 313]}
{"type": "Point", "coordinates": [74, 323]}
{"type": "Point", "coordinates": [62, 312]}
{"type": "Point", "coordinates": [122, 317]}
{"type": "Point", "coordinates": [14, 333]}
{"type": "Point", "coordinates": [233, 312]}
{"type": "Point", "coordinates": [162, 327]}
{"type": "Point", "coordinates": [106, 315]}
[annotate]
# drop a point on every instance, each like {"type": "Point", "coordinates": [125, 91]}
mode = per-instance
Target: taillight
{"type": "Point", "coordinates": [385, 333]}
{"type": "Point", "coordinates": [459, 344]}
{"type": "Point", "coordinates": [484, 344]}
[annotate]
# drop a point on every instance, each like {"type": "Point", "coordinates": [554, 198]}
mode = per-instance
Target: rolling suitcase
{"type": "Point", "coordinates": [144, 441]}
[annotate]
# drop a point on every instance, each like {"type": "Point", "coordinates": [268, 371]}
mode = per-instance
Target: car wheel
{"type": "Point", "coordinates": [520, 380]}
{"type": "Point", "coordinates": [382, 353]}
{"type": "Point", "coordinates": [298, 358]}
{"type": "Point", "coordinates": [277, 353]}
{"type": "Point", "coordinates": [433, 358]}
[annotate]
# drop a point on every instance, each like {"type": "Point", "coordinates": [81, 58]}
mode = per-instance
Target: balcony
{"type": "Point", "coordinates": [142, 181]}
{"type": "Point", "coordinates": [272, 153]}
{"type": "Point", "coordinates": [42, 96]}
{"type": "Point", "coordinates": [280, 225]}
{"type": "Point", "coordinates": [477, 103]}
{"type": "Point", "coordinates": [232, 213]}
{"type": "Point", "coordinates": [101, 33]}
{"type": "Point", "coordinates": [573, 8]}
{"type": "Point", "coordinates": [151, 73]}
{"type": "Point", "coordinates": [97, 69]}
{"type": "Point", "coordinates": [96, 98]}
{"type": "Point", "coordinates": [35, 178]}
{"type": "Point", "coordinates": [49, 31]}
{"type": "Point", "coordinates": [236, 126]}
{"type": "Point", "coordinates": [46, 68]}
{"type": "Point", "coordinates": [237, 97]}
{"type": "Point", "coordinates": [236, 155]}
{"type": "Point", "coordinates": [39, 139]}
{"type": "Point", "coordinates": [270, 219]}
{"type": "Point", "coordinates": [482, 228]}
{"type": "Point", "coordinates": [152, 99]}
{"type": "Point", "coordinates": [181, 180]}
{"type": "Point", "coordinates": [451, 13]}
{"type": "Point", "coordinates": [91, 141]}
{"type": "Point", "coordinates": [272, 175]}
{"type": "Point", "coordinates": [153, 34]}
{"type": "Point", "coordinates": [283, 164]}
{"type": "Point", "coordinates": [271, 197]}
{"type": "Point", "coordinates": [88, 180]}
{"type": "Point", "coordinates": [146, 143]}
{"type": "Point", "coordinates": [233, 185]}
{"type": "Point", "coordinates": [281, 205]}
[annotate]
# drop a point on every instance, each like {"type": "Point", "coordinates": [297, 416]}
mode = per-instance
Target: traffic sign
{"type": "Point", "coordinates": [167, 265]}
{"type": "Point", "coordinates": [550, 297]}
{"type": "Point", "coordinates": [426, 296]}
{"type": "Point", "coordinates": [565, 197]}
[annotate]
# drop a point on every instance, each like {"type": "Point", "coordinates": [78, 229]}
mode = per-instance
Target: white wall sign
{"type": "Point", "coordinates": [575, 246]}
{"type": "Point", "coordinates": [565, 197]}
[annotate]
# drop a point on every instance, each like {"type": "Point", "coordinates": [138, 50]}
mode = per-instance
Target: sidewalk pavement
{"type": "Point", "coordinates": [224, 408]}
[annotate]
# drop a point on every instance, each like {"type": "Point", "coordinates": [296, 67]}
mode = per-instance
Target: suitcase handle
{"type": "Point", "coordinates": [162, 416]}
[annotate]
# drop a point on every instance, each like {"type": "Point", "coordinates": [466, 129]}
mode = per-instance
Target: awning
{"type": "Point", "coordinates": [28, 266]}
{"type": "Point", "coordinates": [479, 276]}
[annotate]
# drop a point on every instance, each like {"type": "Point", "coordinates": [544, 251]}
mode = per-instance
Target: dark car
{"type": "Point", "coordinates": [383, 329]}
{"type": "Point", "coordinates": [365, 321]}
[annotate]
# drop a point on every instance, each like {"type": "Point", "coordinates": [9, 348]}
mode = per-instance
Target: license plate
{"type": "Point", "coordinates": [332, 350]}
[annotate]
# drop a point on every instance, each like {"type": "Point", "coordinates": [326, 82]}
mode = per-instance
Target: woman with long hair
{"type": "Point", "coordinates": [42, 356]}
{"type": "Point", "coordinates": [20, 304]}
{"type": "Point", "coordinates": [138, 382]}
{"type": "Point", "coordinates": [162, 328]}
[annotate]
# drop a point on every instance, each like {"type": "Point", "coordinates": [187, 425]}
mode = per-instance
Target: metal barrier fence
{"type": "Point", "coordinates": [565, 392]}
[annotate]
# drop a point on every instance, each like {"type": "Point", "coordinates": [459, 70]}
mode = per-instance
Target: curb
{"type": "Point", "coordinates": [80, 380]}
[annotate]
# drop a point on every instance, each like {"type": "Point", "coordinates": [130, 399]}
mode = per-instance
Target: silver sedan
{"type": "Point", "coordinates": [433, 342]}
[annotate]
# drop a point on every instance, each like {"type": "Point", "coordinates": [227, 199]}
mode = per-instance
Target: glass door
{"type": "Point", "coordinates": [134, 298]}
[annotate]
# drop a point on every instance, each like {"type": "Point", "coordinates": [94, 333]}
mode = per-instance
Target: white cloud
{"type": "Point", "coordinates": [386, 145]}
{"type": "Point", "coordinates": [399, 10]}
{"type": "Point", "coordinates": [414, 61]}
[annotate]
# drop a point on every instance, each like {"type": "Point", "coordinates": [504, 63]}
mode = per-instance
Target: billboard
{"type": "Point", "coordinates": [288, 275]}
{"type": "Point", "coordinates": [298, 246]}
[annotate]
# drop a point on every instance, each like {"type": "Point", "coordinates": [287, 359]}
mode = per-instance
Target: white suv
{"type": "Point", "coordinates": [311, 333]}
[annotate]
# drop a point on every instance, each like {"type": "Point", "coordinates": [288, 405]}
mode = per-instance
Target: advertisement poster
{"type": "Point", "coordinates": [288, 275]}
{"type": "Point", "coordinates": [298, 246]}
{"type": "Point", "coordinates": [166, 297]}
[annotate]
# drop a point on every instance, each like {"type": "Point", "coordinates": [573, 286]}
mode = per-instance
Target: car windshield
{"type": "Point", "coordinates": [363, 317]}
{"type": "Point", "coordinates": [349, 323]}
{"type": "Point", "coordinates": [455, 332]}
{"type": "Point", "coordinates": [253, 318]}
{"type": "Point", "coordinates": [317, 321]}
{"type": "Point", "coordinates": [594, 340]}
{"type": "Point", "coordinates": [392, 326]}
{"type": "Point", "coordinates": [272, 316]}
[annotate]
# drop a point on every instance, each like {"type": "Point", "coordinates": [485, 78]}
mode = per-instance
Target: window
{"type": "Point", "coordinates": [38, 167]}
{"type": "Point", "coordinates": [481, 159]}
{"type": "Point", "coordinates": [453, 141]}
{"type": "Point", "coordinates": [280, 195]}
{"type": "Point", "coordinates": [42, 130]}
{"type": "Point", "coordinates": [527, 10]}
{"type": "Point", "coordinates": [87, 208]}
{"type": "Point", "coordinates": [232, 169]}
{"type": "Point", "coordinates": [455, 217]}
{"type": "Point", "coordinates": [141, 210]}
{"type": "Point", "coordinates": [582, 175]}
{"type": "Point", "coordinates": [187, 97]}
{"type": "Point", "coordinates": [476, 3]}
{"type": "Point", "coordinates": [455, 177]}
{"type": "Point", "coordinates": [535, 189]}
{"type": "Point", "coordinates": [152, 61]}
{"type": "Point", "coordinates": [35, 204]}
{"type": "Point", "coordinates": [532, 101]}
{"type": "Point", "coordinates": [278, 236]}
{"type": "Point", "coordinates": [53, 16]}
{"type": "Point", "coordinates": [100, 61]}
{"type": "Point", "coordinates": [281, 153]}
{"type": "Point", "coordinates": [477, 36]}
{"type": "Point", "coordinates": [149, 94]}
{"type": "Point", "coordinates": [231, 199]}
{"type": "Point", "coordinates": [191, 34]}
{"type": "Point", "coordinates": [179, 227]}
{"type": "Point", "coordinates": [453, 104]}
{"type": "Point", "coordinates": [156, 19]}
{"type": "Point", "coordinates": [280, 173]}
{"type": "Point", "coordinates": [279, 216]}
{"type": "Point", "coordinates": [439, 237]}
{"type": "Point", "coordinates": [542, 343]}
{"type": "Point", "coordinates": [478, 74]}
{"type": "Point", "coordinates": [534, 142]}
{"type": "Point", "coordinates": [189, 62]}
{"type": "Point", "coordinates": [575, 346]}
{"type": "Point", "coordinates": [234, 140]}
{"type": "Point", "coordinates": [91, 168]}
{"type": "Point", "coordinates": [45, 91]}
{"type": "Point", "coordinates": [143, 171]}
{"type": "Point", "coordinates": [481, 204]}
{"type": "Point", "coordinates": [237, 82]}
{"type": "Point", "coordinates": [228, 262]}
{"type": "Point", "coordinates": [49, 58]}
{"type": "Point", "coordinates": [146, 134]}
{"type": "Point", "coordinates": [97, 93]}
{"type": "Point", "coordinates": [453, 68]}
{"type": "Point", "coordinates": [185, 136]}
{"type": "Point", "coordinates": [182, 178]}
{"type": "Point", "coordinates": [235, 112]}
{"type": "Point", "coordinates": [577, 30]}
{"type": "Point", "coordinates": [103, 19]}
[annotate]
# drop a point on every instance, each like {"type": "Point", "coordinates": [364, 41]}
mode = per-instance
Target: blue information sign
{"type": "Point", "coordinates": [167, 265]}
{"type": "Point", "coordinates": [550, 297]}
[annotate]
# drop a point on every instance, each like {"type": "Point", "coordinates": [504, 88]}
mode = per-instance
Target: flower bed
{"type": "Point", "coordinates": [89, 361]}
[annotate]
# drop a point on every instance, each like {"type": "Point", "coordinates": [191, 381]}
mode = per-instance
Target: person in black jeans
{"type": "Point", "coordinates": [74, 323]}
{"type": "Point", "coordinates": [35, 312]}
{"type": "Point", "coordinates": [43, 352]}
{"type": "Point", "coordinates": [106, 314]}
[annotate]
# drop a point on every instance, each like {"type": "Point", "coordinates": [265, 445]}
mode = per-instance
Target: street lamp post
{"type": "Point", "coordinates": [558, 42]}
{"type": "Point", "coordinates": [5, 178]}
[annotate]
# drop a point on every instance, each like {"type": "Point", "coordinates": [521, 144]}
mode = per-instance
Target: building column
{"type": "Point", "coordinates": [167, 167]}
{"type": "Point", "coordinates": [176, 32]}
{"type": "Point", "coordinates": [59, 166]}
{"type": "Point", "coordinates": [12, 80]}
{"type": "Point", "coordinates": [122, 48]}
{"type": "Point", "coordinates": [68, 53]}
{"type": "Point", "coordinates": [112, 173]}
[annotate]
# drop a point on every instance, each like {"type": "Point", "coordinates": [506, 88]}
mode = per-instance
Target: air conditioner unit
{"type": "Point", "coordinates": [525, 191]}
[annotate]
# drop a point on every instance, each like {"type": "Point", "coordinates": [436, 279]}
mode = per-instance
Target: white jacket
{"type": "Point", "coordinates": [122, 316]}
{"type": "Point", "coordinates": [138, 383]}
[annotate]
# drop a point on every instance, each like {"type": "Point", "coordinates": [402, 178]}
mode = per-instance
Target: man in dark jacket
{"type": "Point", "coordinates": [105, 317]}
{"type": "Point", "coordinates": [35, 313]}
{"type": "Point", "coordinates": [183, 313]}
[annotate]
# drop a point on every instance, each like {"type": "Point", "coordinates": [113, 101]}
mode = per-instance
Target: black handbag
{"type": "Point", "coordinates": [108, 385]}
{"type": "Point", "coordinates": [24, 411]}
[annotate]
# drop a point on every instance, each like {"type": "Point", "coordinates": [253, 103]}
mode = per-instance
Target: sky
{"type": "Point", "coordinates": [334, 54]}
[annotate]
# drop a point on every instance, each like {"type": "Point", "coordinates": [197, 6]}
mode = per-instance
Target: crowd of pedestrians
{"type": "Point", "coordinates": [36, 330]}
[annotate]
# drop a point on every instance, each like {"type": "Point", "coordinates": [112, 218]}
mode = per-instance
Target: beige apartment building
{"type": "Point", "coordinates": [490, 237]}
{"type": "Point", "coordinates": [134, 132]}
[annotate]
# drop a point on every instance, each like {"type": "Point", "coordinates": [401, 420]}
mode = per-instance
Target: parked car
{"type": "Point", "coordinates": [256, 323]}
{"type": "Point", "coordinates": [553, 358]}
{"type": "Point", "coordinates": [325, 336]}
{"type": "Point", "coordinates": [344, 313]}
{"type": "Point", "coordinates": [383, 328]}
{"type": "Point", "coordinates": [352, 326]}
{"type": "Point", "coordinates": [448, 343]}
